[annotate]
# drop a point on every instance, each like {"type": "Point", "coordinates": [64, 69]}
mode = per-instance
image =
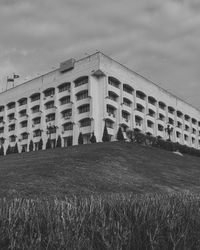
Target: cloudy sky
{"type": "Point", "coordinates": [158, 39]}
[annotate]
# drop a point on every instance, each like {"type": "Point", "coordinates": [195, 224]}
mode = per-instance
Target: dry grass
{"type": "Point", "coordinates": [102, 222]}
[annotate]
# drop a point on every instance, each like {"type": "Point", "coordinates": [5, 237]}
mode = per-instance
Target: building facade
{"type": "Point", "coordinates": [83, 96]}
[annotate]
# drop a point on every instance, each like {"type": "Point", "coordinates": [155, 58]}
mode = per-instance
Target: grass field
{"type": "Point", "coordinates": [112, 196]}
{"type": "Point", "coordinates": [110, 222]}
{"type": "Point", "coordinates": [97, 169]}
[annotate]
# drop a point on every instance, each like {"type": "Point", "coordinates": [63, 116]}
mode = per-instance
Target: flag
{"type": "Point", "coordinates": [15, 76]}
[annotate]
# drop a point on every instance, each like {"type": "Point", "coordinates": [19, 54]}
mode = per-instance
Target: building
{"type": "Point", "coordinates": [84, 95]}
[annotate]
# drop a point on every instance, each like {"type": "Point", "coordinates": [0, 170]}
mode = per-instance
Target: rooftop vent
{"type": "Point", "coordinates": [67, 65]}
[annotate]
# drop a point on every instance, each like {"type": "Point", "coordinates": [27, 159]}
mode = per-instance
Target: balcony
{"type": "Point", "coordinates": [83, 101]}
{"type": "Point", "coordinates": [80, 88]}
{"type": "Point", "coordinates": [81, 116]}
{"type": "Point", "coordinates": [34, 103]}
{"type": "Point", "coordinates": [65, 106]}
{"type": "Point", "coordinates": [64, 93]}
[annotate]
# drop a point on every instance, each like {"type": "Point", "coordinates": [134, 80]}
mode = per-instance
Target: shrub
{"type": "Point", "coordinates": [8, 151]}
{"type": "Point", "coordinates": [2, 150]}
{"type": "Point", "coordinates": [31, 145]}
{"type": "Point", "coordinates": [48, 144]}
{"type": "Point", "coordinates": [16, 149]}
{"type": "Point", "coordinates": [40, 146]}
{"type": "Point", "coordinates": [120, 136]}
{"type": "Point", "coordinates": [80, 139]}
{"type": "Point", "coordinates": [105, 137]}
{"type": "Point", "coordinates": [93, 138]}
{"type": "Point", "coordinates": [59, 142]}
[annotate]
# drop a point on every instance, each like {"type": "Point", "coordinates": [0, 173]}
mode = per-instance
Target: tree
{"type": "Point", "coordinates": [1, 150]}
{"type": "Point", "coordinates": [130, 134]}
{"type": "Point", "coordinates": [31, 145]}
{"type": "Point", "coordinates": [8, 151]}
{"type": "Point", "coordinates": [48, 144]}
{"type": "Point", "coordinates": [80, 139]}
{"type": "Point", "coordinates": [120, 136]}
{"type": "Point", "coordinates": [59, 142]}
{"type": "Point", "coordinates": [105, 137]}
{"type": "Point", "coordinates": [16, 149]}
{"type": "Point", "coordinates": [93, 138]}
{"type": "Point", "coordinates": [40, 145]}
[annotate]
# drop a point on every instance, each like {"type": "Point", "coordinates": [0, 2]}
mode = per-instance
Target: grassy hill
{"type": "Point", "coordinates": [97, 168]}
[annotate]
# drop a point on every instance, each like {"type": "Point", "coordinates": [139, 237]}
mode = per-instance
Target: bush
{"type": "Point", "coordinates": [59, 142]}
{"type": "Point", "coordinates": [102, 222]}
{"type": "Point", "coordinates": [2, 150]}
{"type": "Point", "coordinates": [105, 137]}
{"type": "Point", "coordinates": [48, 144]}
{"type": "Point", "coordinates": [80, 139]}
{"type": "Point", "coordinates": [16, 149]}
{"type": "Point", "coordinates": [8, 151]}
{"type": "Point", "coordinates": [93, 138]}
{"type": "Point", "coordinates": [31, 145]}
{"type": "Point", "coordinates": [120, 136]}
{"type": "Point", "coordinates": [40, 146]}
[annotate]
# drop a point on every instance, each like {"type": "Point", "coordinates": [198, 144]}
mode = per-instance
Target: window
{"type": "Point", "coordinates": [110, 110]}
{"type": "Point", "coordinates": [37, 120]}
{"type": "Point", "coordinates": [179, 124]}
{"type": "Point", "coordinates": [140, 108]}
{"type": "Point", "coordinates": [24, 124]}
{"type": "Point", "coordinates": [49, 92]}
{"type": "Point", "coordinates": [1, 130]}
{"type": "Point", "coordinates": [187, 128]}
{"type": "Point", "coordinates": [160, 127]}
{"type": "Point", "coordinates": [127, 102]}
{"type": "Point", "coordinates": [150, 124]}
{"type": "Point", "coordinates": [22, 101]}
{"type": "Point", "coordinates": [35, 109]}
{"type": "Point", "coordinates": [187, 118]}
{"type": "Point", "coordinates": [112, 96]}
{"type": "Point", "coordinates": [81, 80]}
{"type": "Point", "coordinates": [24, 136]}
{"type": "Point", "coordinates": [22, 113]}
{"type": "Point", "coordinates": [171, 121]}
{"type": "Point", "coordinates": [37, 133]}
{"type": "Point", "coordinates": [65, 100]}
{"type": "Point", "coordinates": [113, 81]}
{"type": "Point", "coordinates": [11, 116]}
{"type": "Point", "coordinates": [152, 100]}
{"type": "Point", "coordinates": [127, 89]}
{"type": "Point", "coordinates": [138, 120]}
{"type": "Point", "coordinates": [11, 105]}
{"type": "Point", "coordinates": [194, 131]}
{"type": "Point", "coordinates": [35, 97]}
{"type": "Point", "coordinates": [50, 117]}
{"type": "Point", "coordinates": [193, 140]}
{"type": "Point", "coordinates": [125, 115]}
{"type": "Point", "coordinates": [84, 108]}
{"type": "Point", "coordinates": [162, 105]}
{"type": "Point", "coordinates": [85, 122]}
{"type": "Point", "coordinates": [109, 123]}
{"type": "Point", "coordinates": [1, 108]}
{"type": "Point", "coordinates": [12, 138]}
{"type": "Point", "coordinates": [186, 137]}
{"type": "Point", "coordinates": [68, 126]}
{"type": "Point", "coordinates": [194, 121]}
{"type": "Point", "coordinates": [171, 110]}
{"type": "Point", "coordinates": [68, 141]}
{"type": "Point", "coordinates": [151, 113]}
{"type": "Point", "coordinates": [161, 117]}
{"type": "Point", "coordinates": [140, 94]}
{"type": "Point", "coordinates": [178, 134]}
{"type": "Point", "coordinates": [67, 113]}
{"type": "Point", "coordinates": [82, 95]}
{"type": "Point", "coordinates": [179, 114]}
{"type": "Point", "coordinates": [64, 86]}
{"type": "Point", "coordinates": [1, 119]}
{"type": "Point", "coordinates": [49, 105]}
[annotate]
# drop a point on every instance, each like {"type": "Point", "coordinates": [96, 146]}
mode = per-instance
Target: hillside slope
{"type": "Point", "coordinates": [97, 168]}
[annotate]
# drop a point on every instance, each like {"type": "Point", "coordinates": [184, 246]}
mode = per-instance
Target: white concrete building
{"type": "Point", "coordinates": [83, 95]}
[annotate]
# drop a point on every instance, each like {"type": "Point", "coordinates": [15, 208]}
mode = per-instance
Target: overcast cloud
{"type": "Point", "coordinates": [158, 39]}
